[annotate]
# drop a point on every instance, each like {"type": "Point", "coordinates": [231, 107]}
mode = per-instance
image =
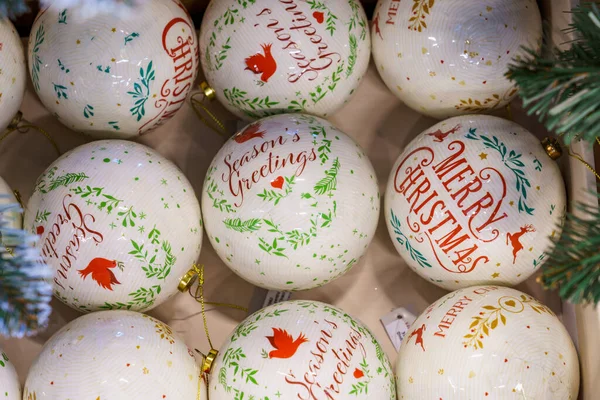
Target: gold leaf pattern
{"type": "Point", "coordinates": [163, 330]}
{"type": "Point", "coordinates": [487, 319]}
{"type": "Point", "coordinates": [420, 9]}
{"type": "Point", "coordinates": [490, 103]}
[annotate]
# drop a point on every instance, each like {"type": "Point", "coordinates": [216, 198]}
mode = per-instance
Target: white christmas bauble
{"type": "Point", "coordinates": [290, 202]}
{"type": "Point", "coordinates": [119, 223]}
{"type": "Point", "coordinates": [487, 342]}
{"type": "Point", "coordinates": [446, 58]}
{"type": "Point", "coordinates": [270, 57]}
{"type": "Point", "coordinates": [113, 77]}
{"type": "Point", "coordinates": [117, 355]}
{"type": "Point", "coordinates": [13, 73]}
{"type": "Point", "coordinates": [10, 389]}
{"type": "Point", "coordinates": [474, 200]}
{"type": "Point", "coordinates": [301, 350]}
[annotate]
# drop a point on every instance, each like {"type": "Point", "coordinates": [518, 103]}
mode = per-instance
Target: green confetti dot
{"type": "Point", "coordinates": [178, 206]}
{"type": "Point", "coordinates": [106, 160]}
{"type": "Point", "coordinates": [337, 138]}
{"type": "Point", "coordinates": [93, 158]}
{"type": "Point", "coordinates": [289, 282]}
{"type": "Point", "coordinates": [183, 248]}
{"type": "Point", "coordinates": [126, 152]}
{"type": "Point", "coordinates": [136, 178]}
{"type": "Point", "coordinates": [217, 240]}
{"type": "Point", "coordinates": [352, 172]}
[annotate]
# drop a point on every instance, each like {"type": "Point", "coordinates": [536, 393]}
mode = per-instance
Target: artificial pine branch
{"type": "Point", "coordinates": [12, 8]}
{"type": "Point", "coordinates": [563, 89]}
{"type": "Point", "coordinates": [25, 286]}
{"type": "Point", "coordinates": [574, 264]}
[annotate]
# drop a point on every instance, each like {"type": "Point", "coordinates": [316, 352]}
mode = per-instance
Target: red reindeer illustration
{"type": "Point", "coordinates": [419, 334]}
{"type": "Point", "coordinates": [376, 25]}
{"type": "Point", "coordinates": [516, 237]}
{"type": "Point", "coordinates": [262, 63]}
{"type": "Point", "coordinates": [440, 136]}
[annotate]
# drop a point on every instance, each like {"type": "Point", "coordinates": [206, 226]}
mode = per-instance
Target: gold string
{"type": "Point", "coordinates": [216, 125]}
{"type": "Point", "coordinates": [23, 128]}
{"type": "Point", "coordinates": [509, 114]}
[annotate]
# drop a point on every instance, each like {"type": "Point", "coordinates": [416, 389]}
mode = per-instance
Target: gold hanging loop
{"type": "Point", "coordinates": [210, 120]}
{"type": "Point", "coordinates": [552, 147]}
{"type": "Point", "coordinates": [18, 124]}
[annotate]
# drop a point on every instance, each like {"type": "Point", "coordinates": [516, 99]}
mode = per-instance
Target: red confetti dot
{"type": "Point", "coordinates": [40, 230]}
{"type": "Point", "coordinates": [484, 82]}
{"type": "Point", "coordinates": [128, 364]}
{"type": "Point", "coordinates": [164, 396]}
{"type": "Point", "coordinates": [442, 61]}
{"type": "Point", "coordinates": [528, 327]}
{"type": "Point", "coordinates": [486, 393]}
{"type": "Point", "coordinates": [528, 367]}
{"type": "Point", "coordinates": [505, 360]}
{"type": "Point", "coordinates": [507, 51]}
{"type": "Point", "coordinates": [407, 78]}
{"type": "Point", "coordinates": [52, 383]}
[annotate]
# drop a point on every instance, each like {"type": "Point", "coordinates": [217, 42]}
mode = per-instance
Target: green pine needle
{"type": "Point", "coordinates": [574, 264]}
{"type": "Point", "coordinates": [25, 282]}
{"type": "Point", "coordinates": [563, 90]}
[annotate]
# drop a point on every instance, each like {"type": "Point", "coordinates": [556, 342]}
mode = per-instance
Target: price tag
{"type": "Point", "coordinates": [397, 324]}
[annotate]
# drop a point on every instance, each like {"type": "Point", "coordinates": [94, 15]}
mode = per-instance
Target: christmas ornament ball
{"type": "Point", "coordinates": [14, 73]}
{"type": "Point", "coordinates": [119, 224]}
{"type": "Point", "coordinates": [7, 197]}
{"type": "Point", "coordinates": [118, 355]}
{"type": "Point", "coordinates": [114, 76]}
{"type": "Point", "coordinates": [290, 202]}
{"type": "Point", "coordinates": [474, 200]}
{"type": "Point", "coordinates": [487, 342]}
{"type": "Point", "coordinates": [299, 56]}
{"type": "Point", "coordinates": [9, 381]}
{"type": "Point", "coordinates": [449, 58]}
{"type": "Point", "coordinates": [301, 350]}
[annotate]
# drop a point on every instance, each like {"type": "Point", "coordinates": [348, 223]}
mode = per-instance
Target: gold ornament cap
{"type": "Point", "coordinates": [552, 147]}
{"type": "Point", "coordinates": [209, 92]}
{"type": "Point", "coordinates": [209, 360]}
{"type": "Point", "coordinates": [16, 120]}
{"type": "Point", "coordinates": [187, 280]}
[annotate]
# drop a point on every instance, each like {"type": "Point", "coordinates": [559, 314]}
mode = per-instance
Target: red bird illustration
{"type": "Point", "coordinates": [284, 344]}
{"type": "Point", "coordinates": [376, 25]}
{"type": "Point", "coordinates": [251, 132]}
{"type": "Point", "coordinates": [262, 64]}
{"type": "Point", "coordinates": [100, 268]}
{"type": "Point", "coordinates": [440, 136]}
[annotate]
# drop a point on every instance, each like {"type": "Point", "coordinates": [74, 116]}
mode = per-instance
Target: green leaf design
{"type": "Point", "coordinates": [62, 17]}
{"type": "Point", "coordinates": [329, 183]}
{"type": "Point", "coordinates": [356, 20]}
{"type": "Point", "coordinates": [221, 56]}
{"type": "Point", "coordinates": [219, 203]}
{"type": "Point", "coordinates": [42, 216]}
{"type": "Point", "coordinates": [276, 197]}
{"type": "Point", "coordinates": [353, 55]}
{"type": "Point", "coordinates": [151, 268]}
{"type": "Point", "coordinates": [142, 299]}
{"type": "Point", "coordinates": [36, 60]}
{"type": "Point", "coordinates": [256, 108]}
{"type": "Point", "coordinates": [330, 18]}
{"type": "Point", "coordinates": [130, 37]}
{"type": "Point", "coordinates": [88, 111]}
{"type": "Point", "coordinates": [67, 179]}
{"type": "Point", "coordinates": [61, 91]}
{"type": "Point", "coordinates": [513, 162]}
{"type": "Point", "coordinates": [238, 225]}
{"type": "Point", "coordinates": [141, 91]}
{"type": "Point", "coordinates": [415, 254]}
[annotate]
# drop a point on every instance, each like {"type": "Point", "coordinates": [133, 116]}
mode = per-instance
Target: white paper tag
{"type": "Point", "coordinates": [273, 296]}
{"type": "Point", "coordinates": [397, 324]}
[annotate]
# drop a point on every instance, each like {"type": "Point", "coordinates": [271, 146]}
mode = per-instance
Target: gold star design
{"type": "Point", "coordinates": [495, 275]}
{"type": "Point", "coordinates": [531, 248]}
{"type": "Point", "coordinates": [399, 55]}
{"type": "Point", "coordinates": [118, 104]}
{"type": "Point", "coordinates": [72, 84]}
{"type": "Point", "coordinates": [398, 87]}
{"type": "Point", "coordinates": [512, 203]}
{"type": "Point", "coordinates": [537, 188]}
{"type": "Point", "coordinates": [483, 156]}
{"type": "Point", "coordinates": [113, 60]}
{"type": "Point", "coordinates": [432, 73]}
{"type": "Point", "coordinates": [497, 265]}
{"type": "Point", "coordinates": [114, 30]}
{"type": "Point", "coordinates": [410, 379]}
{"type": "Point", "coordinates": [154, 96]}
{"type": "Point", "coordinates": [78, 41]}
{"type": "Point", "coordinates": [146, 371]}
{"type": "Point", "coordinates": [553, 233]}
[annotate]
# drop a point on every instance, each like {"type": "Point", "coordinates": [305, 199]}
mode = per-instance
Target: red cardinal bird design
{"type": "Point", "coordinates": [376, 25]}
{"type": "Point", "coordinates": [251, 132]}
{"type": "Point", "coordinates": [440, 136]}
{"type": "Point", "coordinates": [100, 268]}
{"type": "Point", "coordinates": [284, 344]}
{"type": "Point", "coordinates": [262, 64]}
{"type": "Point", "coordinates": [319, 16]}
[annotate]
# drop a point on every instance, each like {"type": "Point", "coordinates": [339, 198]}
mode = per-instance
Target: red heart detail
{"type": "Point", "coordinates": [319, 16]}
{"type": "Point", "coordinates": [277, 183]}
{"type": "Point", "coordinates": [358, 373]}
{"type": "Point", "coordinates": [40, 230]}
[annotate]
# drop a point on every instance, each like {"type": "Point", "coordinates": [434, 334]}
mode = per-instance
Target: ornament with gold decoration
{"type": "Point", "coordinates": [13, 74]}
{"type": "Point", "coordinates": [487, 342]}
{"type": "Point", "coordinates": [447, 58]}
{"type": "Point", "coordinates": [10, 388]}
{"type": "Point", "coordinates": [475, 200]}
{"type": "Point", "coordinates": [119, 355]}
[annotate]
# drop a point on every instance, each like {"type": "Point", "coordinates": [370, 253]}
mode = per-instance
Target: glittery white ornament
{"type": "Point", "coordinates": [13, 73]}
{"type": "Point", "coordinates": [119, 223]}
{"type": "Point", "coordinates": [10, 389]}
{"type": "Point", "coordinates": [110, 77]}
{"type": "Point", "coordinates": [301, 350]}
{"type": "Point", "coordinates": [118, 355]}
{"type": "Point", "coordinates": [290, 202]}
{"type": "Point", "coordinates": [292, 55]}
{"type": "Point", "coordinates": [446, 58]}
{"type": "Point", "coordinates": [487, 342]}
{"type": "Point", "coordinates": [474, 200]}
